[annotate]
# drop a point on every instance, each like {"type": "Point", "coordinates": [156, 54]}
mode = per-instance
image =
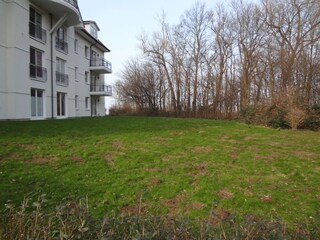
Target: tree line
{"type": "Point", "coordinates": [217, 62]}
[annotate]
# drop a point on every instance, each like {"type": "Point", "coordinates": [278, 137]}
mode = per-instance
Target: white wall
{"type": "Point", "coordinates": [15, 82]}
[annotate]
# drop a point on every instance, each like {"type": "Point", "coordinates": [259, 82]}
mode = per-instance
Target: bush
{"type": "Point", "coordinates": [276, 117]}
{"type": "Point", "coordinates": [72, 220]}
{"type": "Point", "coordinates": [311, 123]}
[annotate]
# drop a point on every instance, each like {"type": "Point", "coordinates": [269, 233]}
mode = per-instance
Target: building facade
{"type": "Point", "coordinates": [52, 64]}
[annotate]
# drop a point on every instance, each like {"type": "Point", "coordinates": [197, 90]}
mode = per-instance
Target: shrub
{"type": "Point", "coordinates": [72, 220]}
{"type": "Point", "coordinates": [276, 117]}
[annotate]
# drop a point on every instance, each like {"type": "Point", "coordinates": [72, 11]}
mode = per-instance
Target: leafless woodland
{"type": "Point", "coordinates": [217, 61]}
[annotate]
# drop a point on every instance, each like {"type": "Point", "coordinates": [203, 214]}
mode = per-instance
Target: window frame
{"type": "Point", "coordinates": [37, 103]}
{"type": "Point", "coordinates": [61, 105]}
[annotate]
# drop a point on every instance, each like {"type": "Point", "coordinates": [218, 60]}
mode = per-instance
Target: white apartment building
{"type": "Point", "coordinates": [52, 64]}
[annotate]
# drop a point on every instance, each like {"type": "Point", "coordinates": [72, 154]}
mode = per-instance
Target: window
{"type": "Point", "coordinates": [36, 69]}
{"type": "Point", "coordinates": [93, 32]}
{"type": "Point", "coordinates": [86, 77]}
{"type": "Point", "coordinates": [76, 102]}
{"type": "Point", "coordinates": [61, 44]}
{"type": "Point", "coordinates": [61, 104]}
{"type": "Point", "coordinates": [61, 77]}
{"type": "Point", "coordinates": [36, 102]}
{"type": "Point", "coordinates": [86, 52]}
{"type": "Point", "coordinates": [35, 26]}
{"type": "Point", "coordinates": [76, 45]}
{"type": "Point", "coordinates": [87, 103]}
{"type": "Point", "coordinates": [76, 73]}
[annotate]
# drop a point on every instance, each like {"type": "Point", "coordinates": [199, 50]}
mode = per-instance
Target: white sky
{"type": "Point", "coordinates": [121, 21]}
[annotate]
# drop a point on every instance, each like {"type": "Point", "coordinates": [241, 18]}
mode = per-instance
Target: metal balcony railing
{"type": "Point", "coordinates": [62, 79]}
{"type": "Point", "coordinates": [38, 72]}
{"type": "Point", "coordinates": [37, 32]}
{"type": "Point", "coordinates": [61, 45]}
{"type": "Point", "coordinates": [101, 88]}
{"type": "Point", "coordinates": [101, 63]}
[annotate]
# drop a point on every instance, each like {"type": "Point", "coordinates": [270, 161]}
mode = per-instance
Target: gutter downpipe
{"type": "Point", "coordinates": [51, 58]}
{"type": "Point", "coordinates": [91, 97]}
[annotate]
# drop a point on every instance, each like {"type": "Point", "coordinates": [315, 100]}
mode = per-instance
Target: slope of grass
{"type": "Point", "coordinates": [163, 166]}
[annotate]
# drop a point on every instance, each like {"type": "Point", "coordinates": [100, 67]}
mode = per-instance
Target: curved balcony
{"type": "Point", "coordinates": [100, 66]}
{"type": "Point", "coordinates": [101, 90]}
{"type": "Point", "coordinates": [59, 7]}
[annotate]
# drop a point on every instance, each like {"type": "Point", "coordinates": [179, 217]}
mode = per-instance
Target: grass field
{"type": "Point", "coordinates": [162, 166]}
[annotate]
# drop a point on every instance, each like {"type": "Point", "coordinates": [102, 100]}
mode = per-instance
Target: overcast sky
{"type": "Point", "coordinates": [121, 21]}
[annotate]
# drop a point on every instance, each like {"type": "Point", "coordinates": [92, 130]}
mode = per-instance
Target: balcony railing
{"type": "Point", "coordinates": [73, 3]}
{"type": "Point", "coordinates": [61, 45]}
{"type": "Point", "coordinates": [38, 72]}
{"type": "Point", "coordinates": [37, 32]}
{"type": "Point", "coordinates": [62, 79]}
{"type": "Point", "coordinates": [102, 88]}
{"type": "Point", "coordinates": [101, 63]}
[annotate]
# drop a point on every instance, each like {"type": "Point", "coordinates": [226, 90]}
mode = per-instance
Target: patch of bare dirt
{"type": "Point", "coordinates": [202, 149]}
{"type": "Point", "coordinates": [41, 160]}
{"type": "Point", "coordinates": [265, 158]}
{"type": "Point", "coordinates": [177, 133]}
{"type": "Point", "coordinates": [173, 204]}
{"type": "Point", "coordinates": [317, 168]}
{"type": "Point", "coordinates": [155, 169]}
{"type": "Point", "coordinates": [218, 215]}
{"type": "Point", "coordinates": [224, 194]}
{"type": "Point", "coordinates": [135, 209]}
{"type": "Point", "coordinates": [117, 144]}
{"type": "Point", "coordinates": [27, 146]}
{"type": "Point", "coordinates": [77, 159]}
{"type": "Point", "coordinates": [167, 158]}
{"type": "Point", "coordinates": [194, 206]}
{"type": "Point", "coordinates": [304, 154]}
{"type": "Point", "coordinates": [200, 169]}
{"type": "Point", "coordinates": [155, 181]}
{"type": "Point", "coordinates": [10, 156]}
{"type": "Point", "coordinates": [266, 198]}
{"type": "Point", "coordinates": [252, 218]}
{"type": "Point", "coordinates": [109, 159]}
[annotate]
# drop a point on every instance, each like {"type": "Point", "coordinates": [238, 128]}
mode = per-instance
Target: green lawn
{"type": "Point", "coordinates": [163, 166]}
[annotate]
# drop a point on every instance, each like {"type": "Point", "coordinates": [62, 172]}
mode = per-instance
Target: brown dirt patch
{"type": "Point", "coordinates": [200, 169]}
{"type": "Point", "coordinates": [267, 158]}
{"type": "Point", "coordinates": [10, 156]}
{"type": "Point", "coordinates": [109, 159]}
{"type": "Point", "coordinates": [266, 198]}
{"type": "Point", "coordinates": [252, 218]}
{"type": "Point", "coordinates": [167, 158]}
{"type": "Point", "coordinates": [117, 144]}
{"type": "Point", "coordinates": [304, 154]}
{"type": "Point", "coordinates": [317, 168]}
{"type": "Point", "coordinates": [195, 206]}
{"type": "Point", "coordinates": [28, 146]}
{"type": "Point", "coordinates": [218, 215]}
{"type": "Point", "coordinates": [135, 209]}
{"type": "Point", "coordinates": [155, 181]}
{"type": "Point", "coordinates": [41, 160]}
{"type": "Point", "coordinates": [224, 194]}
{"type": "Point", "coordinates": [155, 169]}
{"type": "Point", "coordinates": [173, 204]}
{"type": "Point", "coordinates": [202, 149]}
{"type": "Point", "coordinates": [77, 159]}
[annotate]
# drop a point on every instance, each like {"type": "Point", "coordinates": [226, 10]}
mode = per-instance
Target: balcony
{"type": "Point", "coordinates": [61, 45]}
{"type": "Point", "coordinates": [59, 7]}
{"type": "Point", "coordinates": [38, 73]}
{"type": "Point", "coordinates": [101, 90]}
{"type": "Point", "coordinates": [62, 79]}
{"type": "Point", "coordinates": [100, 66]}
{"type": "Point", "coordinates": [37, 32]}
